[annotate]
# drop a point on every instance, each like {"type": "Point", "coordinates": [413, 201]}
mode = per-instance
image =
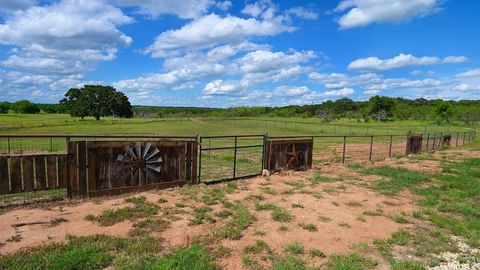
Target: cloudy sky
{"type": "Point", "coordinates": [231, 53]}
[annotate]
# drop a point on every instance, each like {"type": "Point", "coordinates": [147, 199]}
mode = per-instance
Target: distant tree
{"type": "Point", "coordinates": [25, 106]}
{"type": "Point", "coordinates": [96, 101]}
{"type": "Point", "coordinates": [381, 108]}
{"type": "Point", "coordinates": [444, 111]}
{"type": "Point", "coordinates": [4, 107]}
{"type": "Point", "coordinates": [49, 108]}
{"type": "Point", "coordinates": [344, 107]}
{"type": "Point", "coordinates": [324, 115]}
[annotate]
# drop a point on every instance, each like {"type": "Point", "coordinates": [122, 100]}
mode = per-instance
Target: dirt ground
{"type": "Point", "coordinates": [338, 209]}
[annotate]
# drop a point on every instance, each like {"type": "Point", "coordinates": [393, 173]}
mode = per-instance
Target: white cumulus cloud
{"type": "Point", "coordinates": [211, 30]}
{"type": "Point", "coordinates": [375, 64]}
{"type": "Point", "coordinates": [455, 59]}
{"type": "Point", "coordinates": [358, 13]}
{"type": "Point", "coordinates": [469, 73]}
{"type": "Point", "coordinates": [65, 37]}
{"type": "Point", "coordinates": [399, 61]}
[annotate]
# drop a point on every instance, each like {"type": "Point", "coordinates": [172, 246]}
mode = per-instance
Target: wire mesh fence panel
{"type": "Point", "coordinates": [327, 149]}
{"type": "Point", "coordinates": [381, 147]}
{"type": "Point", "coordinates": [249, 162]}
{"type": "Point", "coordinates": [230, 157]}
{"type": "Point", "coordinates": [32, 145]}
{"type": "Point", "coordinates": [399, 146]}
{"type": "Point", "coordinates": [216, 165]}
{"type": "Point", "coordinates": [357, 149]}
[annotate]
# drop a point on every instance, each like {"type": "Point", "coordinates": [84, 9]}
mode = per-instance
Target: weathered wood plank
{"type": "Point", "coordinates": [28, 177]}
{"type": "Point", "coordinates": [41, 177]}
{"type": "Point", "coordinates": [52, 171]}
{"type": "Point", "coordinates": [72, 170]}
{"type": "Point", "coordinates": [195, 162]}
{"type": "Point", "coordinates": [182, 153]}
{"type": "Point", "coordinates": [16, 174]}
{"type": "Point", "coordinates": [4, 179]}
{"type": "Point", "coordinates": [82, 169]}
{"type": "Point", "coordinates": [92, 168]}
{"type": "Point", "coordinates": [188, 165]}
{"type": "Point", "coordinates": [62, 171]}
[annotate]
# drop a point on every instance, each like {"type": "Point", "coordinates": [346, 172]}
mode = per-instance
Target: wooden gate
{"type": "Point", "coordinates": [414, 144]}
{"type": "Point", "coordinates": [114, 167]}
{"type": "Point", "coordinates": [32, 173]}
{"type": "Point", "coordinates": [288, 154]}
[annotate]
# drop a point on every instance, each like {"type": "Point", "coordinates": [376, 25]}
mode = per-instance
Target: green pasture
{"type": "Point", "coordinates": [64, 124]}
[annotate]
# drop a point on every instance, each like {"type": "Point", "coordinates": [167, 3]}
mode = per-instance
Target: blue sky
{"type": "Point", "coordinates": [235, 53]}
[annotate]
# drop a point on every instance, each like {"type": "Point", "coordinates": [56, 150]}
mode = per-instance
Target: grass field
{"type": "Point", "coordinates": [64, 124]}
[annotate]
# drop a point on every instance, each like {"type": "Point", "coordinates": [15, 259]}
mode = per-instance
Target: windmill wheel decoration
{"type": "Point", "coordinates": [295, 159]}
{"type": "Point", "coordinates": [141, 162]}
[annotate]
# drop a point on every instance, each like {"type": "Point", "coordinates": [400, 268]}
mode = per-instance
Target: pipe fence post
{"type": "Point", "coordinates": [428, 141]}
{"type": "Point", "coordinates": [8, 145]}
{"type": "Point", "coordinates": [200, 159]}
{"type": "Point", "coordinates": [264, 150]}
{"type": "Point", "coordinates": [456, 141]}
{"type": "Point", "coordinates": [390, 147]}
{"type": "Point", "coordinates": [441, 140]}
{"type": "Point", "coordinates": [235, 158]}
{"type": "Point", "coordinates": [371, 149]}
{"type": "Point", "coordinates": [344, 148]}
{"type": "Point", "coordinates": [434, 137]}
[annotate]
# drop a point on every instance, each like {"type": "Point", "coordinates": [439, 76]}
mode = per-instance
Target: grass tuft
{"type": "Point", "coordinates": [308, 227]}
{"type": "Point", "coordinates": [295, 248]}
{"type": "Point", "coordinates": [350, 261]}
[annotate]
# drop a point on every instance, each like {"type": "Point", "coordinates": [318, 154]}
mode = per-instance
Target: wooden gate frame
{"type": "Point", "coordinates": [82, 183]}
{"type": "Point", "coordinates": [269, 154]}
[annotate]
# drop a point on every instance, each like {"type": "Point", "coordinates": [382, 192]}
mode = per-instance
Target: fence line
{"type": "Point", "coordinates": [31, 167]}
{"type": "Point", "coordinates": [332, 127]}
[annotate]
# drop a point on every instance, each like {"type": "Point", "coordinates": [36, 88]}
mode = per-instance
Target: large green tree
{"type": "Point", "coordinates": [381, 108]}
{"type": "Point", "coordinates": [4, 107]}
{"type": "Point", "coordinates": [96, 101]}
{"type": "Point", "coordinates": [444, 110]}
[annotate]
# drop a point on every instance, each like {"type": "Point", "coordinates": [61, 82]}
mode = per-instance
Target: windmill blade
{"type": "Point", "coordinates": [155, 168]}
{"type": "Point", "coordinates": [146, 148]}
{"type": "Point", "coordinates": [138, 147]}
{"type": "Point", "coordinates": [124, 160]}
{"type": "Point", "coordinates": [158, 160]}
{"type": "Point", "coordinates": [154, 153]}
{"type": "Point", "coordinates": [129, 151]}
{"type": "Point", "coordinates": [120, 158]}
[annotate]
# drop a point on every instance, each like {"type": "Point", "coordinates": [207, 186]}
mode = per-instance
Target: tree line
{"type": "Point", "coordinates": [100, 101]}
{"type": "Point", "coordinates": [377, 108]}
